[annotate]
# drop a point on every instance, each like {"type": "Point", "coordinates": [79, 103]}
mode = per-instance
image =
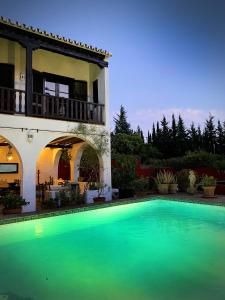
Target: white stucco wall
{"type": "Point", "coordinates": [44, 131]}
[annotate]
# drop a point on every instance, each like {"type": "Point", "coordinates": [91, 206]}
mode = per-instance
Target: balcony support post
{"type": "Point", "coordinates": [29, 80]}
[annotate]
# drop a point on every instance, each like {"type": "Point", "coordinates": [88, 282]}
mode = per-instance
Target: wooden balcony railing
{"type": "Point", "coordinates": [12, 101]}
{"type": "Point", "coordinates": [52, 107]}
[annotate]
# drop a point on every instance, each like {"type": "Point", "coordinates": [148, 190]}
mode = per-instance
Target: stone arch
{"type": "Point", "coordinates": [78, 158]}
{"type": "Point", "coordinates": [54, 155]}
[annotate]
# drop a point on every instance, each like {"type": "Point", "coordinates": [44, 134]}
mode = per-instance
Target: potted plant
{"type": "Point", "coordinates": [100, 186]}
{"type": "Point", "coordinates": [173, 186]}
{"type": "Point", "coordinates": [12, 203]}
{"type": "Point", "coordinates": [183, 180]}
{"type": "Point", "coordinates": [140, 186]}
{"type": "Point", "coordinates": [162, 180]}
{"type": "Point", "coordinates": [209, 186]}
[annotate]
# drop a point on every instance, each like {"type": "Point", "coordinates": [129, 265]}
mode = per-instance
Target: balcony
{"type": "Point", "coordinates": [13, 101]}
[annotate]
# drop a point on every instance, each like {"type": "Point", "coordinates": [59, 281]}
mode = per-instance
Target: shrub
{"type": "Point", "coordinates": [201, 159]}
{"type": "Point", "coordinates": [164, 177]}
{"type": "Point", "coordinates": [183, 180]}
{"type": "Point", "coordinates": [123, 171]}
{"type": "Point", "coordinates": [208, 181]}
{"type": "Point", "coordinates": [177, 163]}
{"type": "Point", "coordinates": [140, 184]}
{"type": "Point", "coordinates": [12, 201]}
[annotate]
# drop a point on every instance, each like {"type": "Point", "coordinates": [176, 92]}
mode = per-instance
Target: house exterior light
{"type": "Point", "coordinates": [9, 155]}
{"type": "Point", "coordinates": [30, 136]}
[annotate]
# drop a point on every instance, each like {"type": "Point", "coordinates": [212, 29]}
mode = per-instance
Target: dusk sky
{"type": "Point", "coordinates": [168, 55]}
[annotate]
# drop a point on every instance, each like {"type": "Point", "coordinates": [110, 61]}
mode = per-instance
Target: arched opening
{"type": "Point", "coordinates": [11, 172]}
{"type": "Point", "coordinates": [89, 166]}
{"type": "Point", "coordinates": [65, 161]}
{"type": "Point", "coordinates": [64, 170]}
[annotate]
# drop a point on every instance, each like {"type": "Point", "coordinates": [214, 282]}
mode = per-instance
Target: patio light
{"type": "Point", "coordinates": [9, 155]}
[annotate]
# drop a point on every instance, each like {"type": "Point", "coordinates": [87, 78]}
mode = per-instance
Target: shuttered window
{"type": "Point", "coordinates": [95, 91]}
{"type": "Point", "coordinates": [7, 75]}
{"type": "Point", "coordinates": [37, 82]}
{"type": "Point", "coordinates": [80, 90]}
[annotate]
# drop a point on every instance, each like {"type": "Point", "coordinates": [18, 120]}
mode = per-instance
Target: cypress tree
{"type": "Point", "coordinates": [182, 139]}
{"type": "Point", "coordinates": [174, 128]}
{"type": "Point", "coordinates": [149, 139]}
{"type": "Point", "coordinates": [200, 145]}
{"type": "Point", "coordinates": [165, 138]}
{"type": "Point", "coordinates": [121, 123]}
{"type": "Point", "coordinates": [220, 138]}
{"type": "Point", "coordinates": [140, 132]}
{"type": "Point", "coordinates": [209, 135]}
{"type": "Point", "coordinates": [153, 135]}
{"type": "Point", "coordinates": [193, 138]}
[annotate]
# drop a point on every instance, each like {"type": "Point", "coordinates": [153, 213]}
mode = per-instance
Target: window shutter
{"type": "Point", "coordinates": [7, 75]}
{"type": "Point", "coordinates": [80, 90]}
{"type": "Point", "coordinates": [95, 91]}
{"type": "Point", "coordinates": [37, 82]}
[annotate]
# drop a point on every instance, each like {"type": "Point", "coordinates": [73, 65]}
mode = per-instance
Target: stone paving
{"type": "Point", "coordinates": [182, 197]}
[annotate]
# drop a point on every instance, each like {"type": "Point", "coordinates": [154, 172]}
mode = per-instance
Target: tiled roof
{"type": "Point", "coordinates": [54, 36]}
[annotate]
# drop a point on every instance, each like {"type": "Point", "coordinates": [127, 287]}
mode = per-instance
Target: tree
{"type": "Point", "coordinates": [209, 135]}
{"type": "Point", "coordinates": [140, 132]}
{"type": "Point", "coordinates": [181, 144]}
{"type": "Point", "coordinates": [193, 138]}
{"type": "Point", "coordinates": [153, 135]}
{"type": "Point", "coordinates": [126, 144]}
{"type": "Point", "coordinates": [220, 138]}
{"type": "Point", "coordinates": [174, 128]}
{"type": "Point", "coordinates": [121, 123]}
{"type": "Point", "coordinates": [199, 138]}
{"type": "Point", "coordinates": [149, 139]}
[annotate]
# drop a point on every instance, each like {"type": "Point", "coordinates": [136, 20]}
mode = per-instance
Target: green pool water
{"type": "Point", "coordinates": [152, 250]}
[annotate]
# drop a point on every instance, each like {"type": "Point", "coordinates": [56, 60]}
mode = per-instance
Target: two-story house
{"type": "Point", "coordinates": [48, 85]}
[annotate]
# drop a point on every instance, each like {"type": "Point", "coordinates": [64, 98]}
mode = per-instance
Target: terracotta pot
{"type": "Point", "coordinates": [209, 191]}
{"type": "Point", "coordinates": [8, 211]}
{"type": "Point", "coordinates": [163, 188]}
{"type": "Point", "coordinates": [173, 188]}
{"type": "Point", "coordinates": [99, 199]}
{"type": "Point", "coordinates": [141, 194]}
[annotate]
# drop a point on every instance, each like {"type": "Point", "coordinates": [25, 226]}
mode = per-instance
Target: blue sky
{"type": "Point", "coordinates": [168, 55]}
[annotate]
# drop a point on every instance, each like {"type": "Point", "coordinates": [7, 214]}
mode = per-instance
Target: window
{"type": "Point", "coordinates": [56, 89]}
{"type": "Point", "coordinates": [7, 75]}
{"type": "Point", "coordinates": [80, 90]}
{"type": "Point", "coordinates": [95, 91]}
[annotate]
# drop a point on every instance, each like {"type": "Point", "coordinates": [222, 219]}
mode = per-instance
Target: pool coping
{"type": "Point", "coordinates": [195, 199]}
{"type": "Point", "coordinates": [22, 218]}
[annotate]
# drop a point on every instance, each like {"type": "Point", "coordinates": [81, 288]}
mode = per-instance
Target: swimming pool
{"type": "Point", "coordinates": [153, 250]}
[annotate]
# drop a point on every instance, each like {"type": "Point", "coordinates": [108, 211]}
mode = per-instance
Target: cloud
{"type": "Point", "coordinates": [145, 117]}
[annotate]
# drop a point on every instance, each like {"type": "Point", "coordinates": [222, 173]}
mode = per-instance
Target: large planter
{"type": "Point", "coordinates": [173, 188]}
{"type": "Point", "coordinates": [8, 211]}
{"type": "Point", "coordinates": [99, 199]}
{"type": "Point", "coordinates": [141, 194]}
{"type": "Point", "coordinates": [209, 191]}
{"type": "Point", "coordinates": [163, 188]}
{"type": "Point", "coordinates": [90, 195]}
{"type": "Point", "coordinates": [126, 193]}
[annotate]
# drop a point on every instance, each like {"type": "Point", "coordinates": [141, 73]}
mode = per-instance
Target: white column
{"type": "Point", "coordinates": [106, 176]}
{"type": "Point", "coordinates": [29, 184]}
{"type": "Point", "coordinates": [104, 94]}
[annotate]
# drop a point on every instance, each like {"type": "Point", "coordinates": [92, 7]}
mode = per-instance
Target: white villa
{"type": "Point", "coordinates": [48, 86]}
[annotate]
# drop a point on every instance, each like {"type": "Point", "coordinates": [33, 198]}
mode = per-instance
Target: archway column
{"type": "Point", "coordinates": [28, 191]}
{"type": "Point", "coordinates": [105, 174]}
